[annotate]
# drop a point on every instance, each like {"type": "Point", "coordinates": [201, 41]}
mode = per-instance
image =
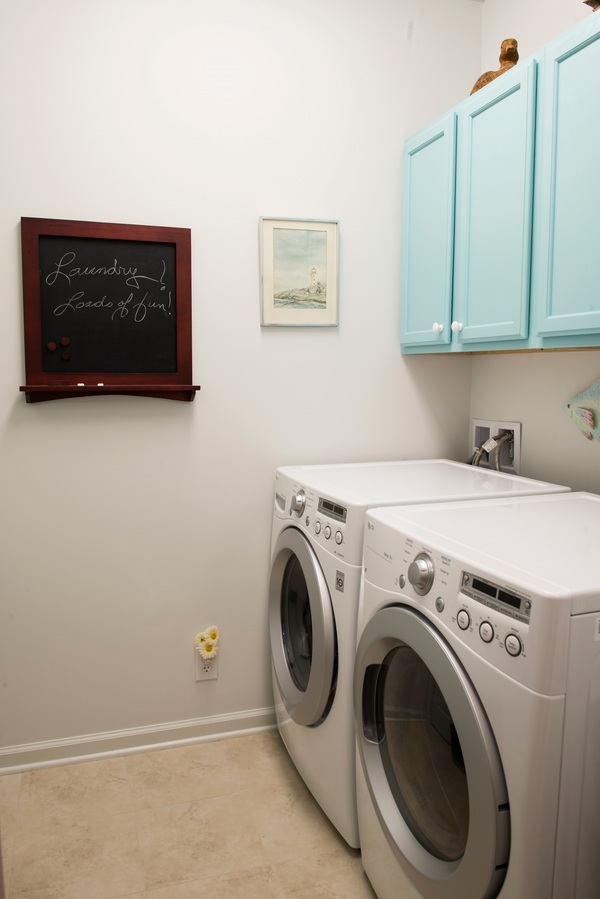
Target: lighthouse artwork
{"type": "Point", "coordinates": [315, 286]}
{"type": "Point", "coordinates": [298, 259]}
{"type": "Point", "coordinates": [299, 272]}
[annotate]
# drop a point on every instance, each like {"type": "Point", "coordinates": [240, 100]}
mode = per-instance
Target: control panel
{"type": "Point", "coordinates": [332, 510]}
{"type": "Point", "coordinates": [330, 520]}
{"type": "Point", "coordinates": [336, 527]}
{"type": "Point", "coordinates": [496, 597]}
{"type": "Point", "coordinates": [520, 629]}
{"type": "Point", "coordinates": [483, 618]}
{"type": "Point", "coordinates": [489, 631]}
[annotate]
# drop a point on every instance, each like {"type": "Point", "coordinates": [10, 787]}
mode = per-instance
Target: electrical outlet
{"type": "Point", "coordinates": [482, 429]}
{"type": "Point", "coordinates": [206, 669]}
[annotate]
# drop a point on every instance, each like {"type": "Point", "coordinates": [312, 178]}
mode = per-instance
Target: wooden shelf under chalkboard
{"type": "Point", "coordinates": [39, 393]}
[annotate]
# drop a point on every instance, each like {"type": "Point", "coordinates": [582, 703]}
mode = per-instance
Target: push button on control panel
{"type": "Point", "coordinates": [463, 619]}
{"type": "Point", "coordinates": [339, 537]}
{"type": "Point", "coordinates": [486, 632]}
{"type": "Point", "coordinates": [513, 645]}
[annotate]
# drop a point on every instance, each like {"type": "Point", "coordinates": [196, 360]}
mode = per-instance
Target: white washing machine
{"type": "Point", "coordinates": [316, 555]}
{"type": "Point", "coordinates": [477, 700]}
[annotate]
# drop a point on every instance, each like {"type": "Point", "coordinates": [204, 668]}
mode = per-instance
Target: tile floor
{"type": "Point", "coordinates": [230, 818]}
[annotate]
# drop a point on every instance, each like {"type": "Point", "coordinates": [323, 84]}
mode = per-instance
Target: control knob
{"type": "Point", "coordinates": [298, 503]}
{"type": "Point", "coordinates": [421, 573]}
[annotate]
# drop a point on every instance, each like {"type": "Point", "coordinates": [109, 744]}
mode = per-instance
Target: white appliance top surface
{"type": "Point", "coordinates": [555, 537]}
{"type": "Point", "coordinates": [421, 481]}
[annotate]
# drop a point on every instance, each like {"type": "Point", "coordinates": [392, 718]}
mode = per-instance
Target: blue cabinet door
{"type": "Point", "coordinates": [566, 253]}
{"type": "Point", "coordinates": [494, 202]}
{"type": "Point", "coordinates": [428, 235]}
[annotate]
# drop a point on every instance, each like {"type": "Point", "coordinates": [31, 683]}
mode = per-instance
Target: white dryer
{"type": "Point", "coordinates": [477, 700]}
{"type": "Point", "coordinates": [316, 555]}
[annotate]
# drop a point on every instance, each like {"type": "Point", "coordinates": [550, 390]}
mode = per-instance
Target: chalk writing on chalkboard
{"type": "Point", "coordinates": [107, 307]}
{"type": "Point", "coordinates": [113, 302]}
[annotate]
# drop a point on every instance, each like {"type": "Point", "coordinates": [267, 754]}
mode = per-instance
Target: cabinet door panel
{"type": "Point", "coordinates": [494, 201]}
{"type": "Point", "coordinates": [427, 234]}
{"type": "Point", "coordinates": [567, 268]}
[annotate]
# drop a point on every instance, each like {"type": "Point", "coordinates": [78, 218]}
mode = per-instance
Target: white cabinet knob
{"type": "Point", "coordinates": [456, 326]}
{"type": "Point", "coordinates": [437, 328]}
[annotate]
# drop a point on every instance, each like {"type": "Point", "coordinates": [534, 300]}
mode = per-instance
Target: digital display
{"type": "Point", "coordinates": [332, 510]}
{"type": "Point", "coordinates": [495, 597]}
{"type": "Point", "coordinates": [496, 592]}
{"type": "Point", "coordinates": [484, 587]}
{"type": "Point", "coordinates": [509, 599]}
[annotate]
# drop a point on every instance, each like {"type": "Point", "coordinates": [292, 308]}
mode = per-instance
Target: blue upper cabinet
{"type": "Point", "coordinates": [567, 261]}
{"type": "Point", "coordinates": [464, 198]}
{"type": "Point", "coordinates": [428, 234]}
{"type": "Point", "coordinates": [526, 193]}
{"type": "Point", "coordinates": [494, 201]}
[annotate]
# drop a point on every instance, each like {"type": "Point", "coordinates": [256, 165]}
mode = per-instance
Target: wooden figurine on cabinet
{"type": "Point", "coordinates": [509, 56]}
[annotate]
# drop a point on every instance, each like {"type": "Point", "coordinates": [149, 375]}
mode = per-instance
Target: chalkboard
{"type": "Point", "coordinates": [106, 307]}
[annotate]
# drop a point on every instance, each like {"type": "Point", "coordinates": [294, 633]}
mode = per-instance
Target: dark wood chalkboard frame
{"type": "Point", "coordinates": [43, 383]}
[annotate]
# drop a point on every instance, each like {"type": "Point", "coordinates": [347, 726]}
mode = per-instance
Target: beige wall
{"type": "Point", "coordinates": [533, 23]}
{"type": "Point", "coordinates": [130, 524]}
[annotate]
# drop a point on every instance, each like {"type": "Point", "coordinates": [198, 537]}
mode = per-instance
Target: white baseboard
{"type": "Point", "coordinates": [139, 739]}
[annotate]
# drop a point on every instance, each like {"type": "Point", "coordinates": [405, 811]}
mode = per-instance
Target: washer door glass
{"type": "Point", "coordinates": [302, 629]}
{"type": "Point", "coordinates": [430, 759]}
{"type": "Point", "coordinates": [296, 623]}
{"type": "Point", "coordinates": [421, 755]}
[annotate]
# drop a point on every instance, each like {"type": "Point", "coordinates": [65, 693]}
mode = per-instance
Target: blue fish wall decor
{"type": "Point", "coordinates": [584, 411]}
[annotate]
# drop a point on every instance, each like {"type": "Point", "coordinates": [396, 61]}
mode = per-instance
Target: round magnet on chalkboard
{"type": "Point", "coordinates": [51, 346]}
{"type": "Point", "coordinates": [65, 341]}
{"type": "Point", "coordinates": [65, 357]}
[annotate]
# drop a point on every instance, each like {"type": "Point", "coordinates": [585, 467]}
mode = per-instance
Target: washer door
{"type": "Point", "coordinates": [430, 759]}
{"type": "Point", "coordinates": [302, 628]}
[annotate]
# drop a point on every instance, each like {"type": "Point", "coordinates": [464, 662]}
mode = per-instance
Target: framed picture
{"type": "Point", "coordinates": [298, 272]}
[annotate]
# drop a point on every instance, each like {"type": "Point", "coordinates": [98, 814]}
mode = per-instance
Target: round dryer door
{"type": "Point", "coordinates": [430, 759]}
{"type": "Point", "coordinates": [302, 629]}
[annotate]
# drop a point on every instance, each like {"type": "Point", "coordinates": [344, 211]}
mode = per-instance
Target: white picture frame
{"type": "Point", "coordinates": [299, 272]}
